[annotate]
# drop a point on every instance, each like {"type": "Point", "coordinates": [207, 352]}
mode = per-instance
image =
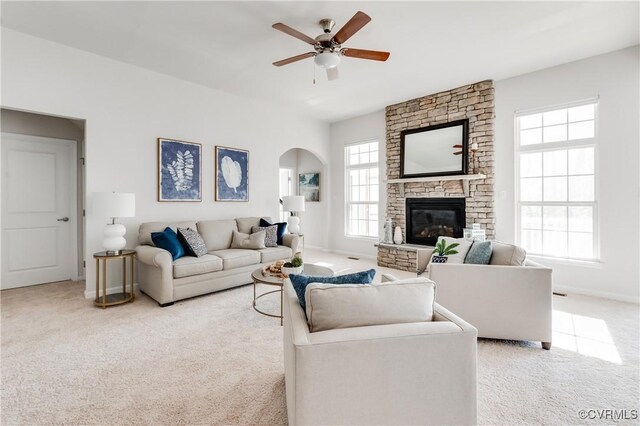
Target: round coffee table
{"type": "Point", "coordinates": [258, 278]}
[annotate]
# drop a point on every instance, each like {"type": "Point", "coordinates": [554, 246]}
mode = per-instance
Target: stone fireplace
{"type": "Point", "coordinates": [428, 218]}
{"type": "Point", "coordinates": [474, 102]}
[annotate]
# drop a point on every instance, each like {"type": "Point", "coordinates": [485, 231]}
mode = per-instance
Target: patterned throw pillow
{"type": "Point", "coordinates": [192, 242]}
{"type": "Point", "coordinates": [271, 239]}
{"type": "Point", "coordinates": [282, 229]}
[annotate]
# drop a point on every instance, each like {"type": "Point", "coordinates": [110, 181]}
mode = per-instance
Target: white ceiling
{"type": "Point", "coordinates": [434, 45]}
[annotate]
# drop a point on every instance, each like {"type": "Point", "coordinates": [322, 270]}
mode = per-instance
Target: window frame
{"type": "Point", "coordinates": [347, 189]}
{"type": "Point", "coordinates": [556, 146]}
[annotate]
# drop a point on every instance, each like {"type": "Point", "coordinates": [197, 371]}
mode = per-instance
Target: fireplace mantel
{"type": "Point", "coordinates": [463, 178]}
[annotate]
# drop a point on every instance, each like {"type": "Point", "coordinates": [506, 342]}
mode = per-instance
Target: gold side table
{"type": "Point", "coordinates": [105, 300]}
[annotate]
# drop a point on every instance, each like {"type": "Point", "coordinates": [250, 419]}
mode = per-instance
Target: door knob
{"type": "Point", "coordinates": [64, 219]}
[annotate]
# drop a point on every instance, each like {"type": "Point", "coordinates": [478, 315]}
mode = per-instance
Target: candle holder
{"type": "Point", "coordinates": [474, 148]}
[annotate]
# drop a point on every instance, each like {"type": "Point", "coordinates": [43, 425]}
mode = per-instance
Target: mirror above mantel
{"type": "Point", "coordinates": [438, 150]}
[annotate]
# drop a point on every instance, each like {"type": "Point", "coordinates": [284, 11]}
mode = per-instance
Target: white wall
{"type": "Point", "coordinates": [313, 221]}
{"type": "Point", "coordinates": [614, 78]}
{"type": "Point", "coordinates": [126, 108]}
{"type": "Point", "coordinates": [359, 129]}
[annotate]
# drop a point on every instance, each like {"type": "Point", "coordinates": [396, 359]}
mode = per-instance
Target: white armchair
{"type": "Point", "coordinates": [501, 301]}
{"type": "Point", "coordinates": [413, 373]}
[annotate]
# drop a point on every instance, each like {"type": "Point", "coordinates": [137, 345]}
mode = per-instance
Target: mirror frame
{"type": "Point", "coordinates": [464, 166]}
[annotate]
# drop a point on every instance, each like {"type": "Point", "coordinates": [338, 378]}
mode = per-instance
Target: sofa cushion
{"type": "Point", "coordinates": [168, 240]}
{"type": "Point", "coordinates": [300, 282]}
{"type": "Point", "coordinates": [507, 254]}
{"type": "Point", "coordinates": [192, 242]}
{"type": "Point", "coordinates": [217, 234]}
{"type": "Point", "coordinates": [253, 241]}
{"type": "Point", "coordinates": [479, 253]}
{"type": "Point", "coordinates": [237, 258]}
{"type": "Point", "coordinates": [271, 254]}
{"type": "Point", "coordinates": [355, 305]}
{"type": "Point", "coordinates": [271, 237]}
{"type": "Point", "coordinates": [246, 223]}
{"type": "Point", "coordinates": [188, 266]}
{"type": "Point", "coordinates": [282, 229]}
{"type": "Point", "coordinates": [145, 229]}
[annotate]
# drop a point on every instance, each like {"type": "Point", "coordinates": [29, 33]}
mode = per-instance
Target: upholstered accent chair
{"type": "Point", "coordinates": [503, 300]}
{"type": "Point", "coordinates": [409, 373]}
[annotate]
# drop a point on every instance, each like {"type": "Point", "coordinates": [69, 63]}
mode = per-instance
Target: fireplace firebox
{"type": "Point", "coordinates": [429, 218]}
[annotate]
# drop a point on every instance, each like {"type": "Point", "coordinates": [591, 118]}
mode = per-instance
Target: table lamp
{"type": "Point", "coordinates": [114, 205]}
{"type": "Point", "coordinates": [293, 204]}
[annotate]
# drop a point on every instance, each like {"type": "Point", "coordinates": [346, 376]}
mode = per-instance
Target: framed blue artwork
{"type": "Point", "coordinates": [232, 174]}
{"type": "Point", "coordinates": [309, 186]}
{"type": "Point", "coordinates": [179, 170]}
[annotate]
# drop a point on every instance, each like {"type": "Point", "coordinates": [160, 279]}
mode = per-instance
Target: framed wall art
{"type": "Point", "coordinates": [309, 186]}
{"type": "Point", "coordinates": [179, 170]}
{"type": "Point", "coordinates": [232, 174]}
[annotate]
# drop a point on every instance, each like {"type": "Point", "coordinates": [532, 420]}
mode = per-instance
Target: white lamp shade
{"type": "Point", "coordinates": [114, 204]}
{"type": "Point", "coordinates": [293, 203]}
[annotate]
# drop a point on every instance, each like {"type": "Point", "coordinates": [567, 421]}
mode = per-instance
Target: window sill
{"type": "Point", "coordinates": [596, 264]}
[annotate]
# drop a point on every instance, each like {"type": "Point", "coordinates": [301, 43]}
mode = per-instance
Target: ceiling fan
{"type": "Point", "coordinates": [328, 47]}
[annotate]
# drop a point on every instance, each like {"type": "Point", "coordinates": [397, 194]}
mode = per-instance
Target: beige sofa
{"type": "Point", "coordinates": [502, 300]}
{"type": "Point", "coordinates": [167, 281]}
{"type": "Point", "coordinates": [412, 373]}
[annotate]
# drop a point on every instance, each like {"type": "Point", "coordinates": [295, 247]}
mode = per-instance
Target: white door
{"type": "Point", "coordinates": [38, 210]}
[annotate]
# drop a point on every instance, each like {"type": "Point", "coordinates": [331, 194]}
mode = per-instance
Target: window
{"type": "Point", "coordinates": [361, 176]}
{"type": "Point", "coordinates": [286, 188]}
{"type": "Point", "coordinates": [556, 176]}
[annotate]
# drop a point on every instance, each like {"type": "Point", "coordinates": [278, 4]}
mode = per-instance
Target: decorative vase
{"type": "Point", "coordinates": [439, 259]}
{"type": "Point", "coordinates": [288, 271]}
{"type": "Point", "coordinates": [397, 236]}
{"type": "Point", "coordinates": [388, 232]}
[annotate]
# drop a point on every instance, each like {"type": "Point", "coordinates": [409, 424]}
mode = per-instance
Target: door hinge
{"type": "Point", "coordinates": [82, 159]}
{"type": "Point", "coordinates": [84, 263]}
{"type": "Point", "coordinates": [83, 213]}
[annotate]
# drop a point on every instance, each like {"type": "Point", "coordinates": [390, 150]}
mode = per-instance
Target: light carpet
{"type": "Point", "coordinates": [214, 360]}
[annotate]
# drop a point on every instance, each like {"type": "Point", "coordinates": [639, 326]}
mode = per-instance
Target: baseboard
{"type": "Point", "coordinates": [91, 294]}
{"type": "Point", "coordinates": [596, 293]}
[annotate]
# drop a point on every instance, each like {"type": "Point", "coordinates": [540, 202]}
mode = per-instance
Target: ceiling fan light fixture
{"type": "Point", "coordinates": [327, 59]}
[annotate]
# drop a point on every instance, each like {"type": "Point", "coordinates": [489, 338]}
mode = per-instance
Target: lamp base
{"type": "Point", "coordinates": [114, 241]}
{"type": "Point", "coordinates": [293, 224]}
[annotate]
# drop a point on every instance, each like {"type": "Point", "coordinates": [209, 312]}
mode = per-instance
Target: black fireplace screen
{"type": "Point", "coordinates": [429, 218]}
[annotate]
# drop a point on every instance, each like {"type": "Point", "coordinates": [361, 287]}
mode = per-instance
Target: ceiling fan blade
{"type": "Point", "coordinates": [355, 24]}
{"type": "Point", "coordinates": [332, 73]}
{"type": "Point", "coordinates": [294, 59]}
{"type": "Point", "coordinates": [374, 55]}
{"type": "Point", "coordinates": [294, 33]}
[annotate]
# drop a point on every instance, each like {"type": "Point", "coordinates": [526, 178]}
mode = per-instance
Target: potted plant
{"type": "Point", "coordinates": [443, 250]}
{"type": "Point", "coordinates": [294, 266]}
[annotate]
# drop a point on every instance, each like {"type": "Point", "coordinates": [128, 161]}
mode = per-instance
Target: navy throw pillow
{"type": "Point", "coordinates": [300, 282]}
{"type": "Point", "coordinates": [282, 229]}
{"type": "Point", "coordinates": [168, 240]}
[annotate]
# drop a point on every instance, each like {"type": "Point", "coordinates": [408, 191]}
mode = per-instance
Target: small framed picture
{"type": "Point", "coordinates": [232, 174]}
{"type": "Point", "coordinates": [179, 170]}
{"type": "Point", "coordinates": [309, 186]}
